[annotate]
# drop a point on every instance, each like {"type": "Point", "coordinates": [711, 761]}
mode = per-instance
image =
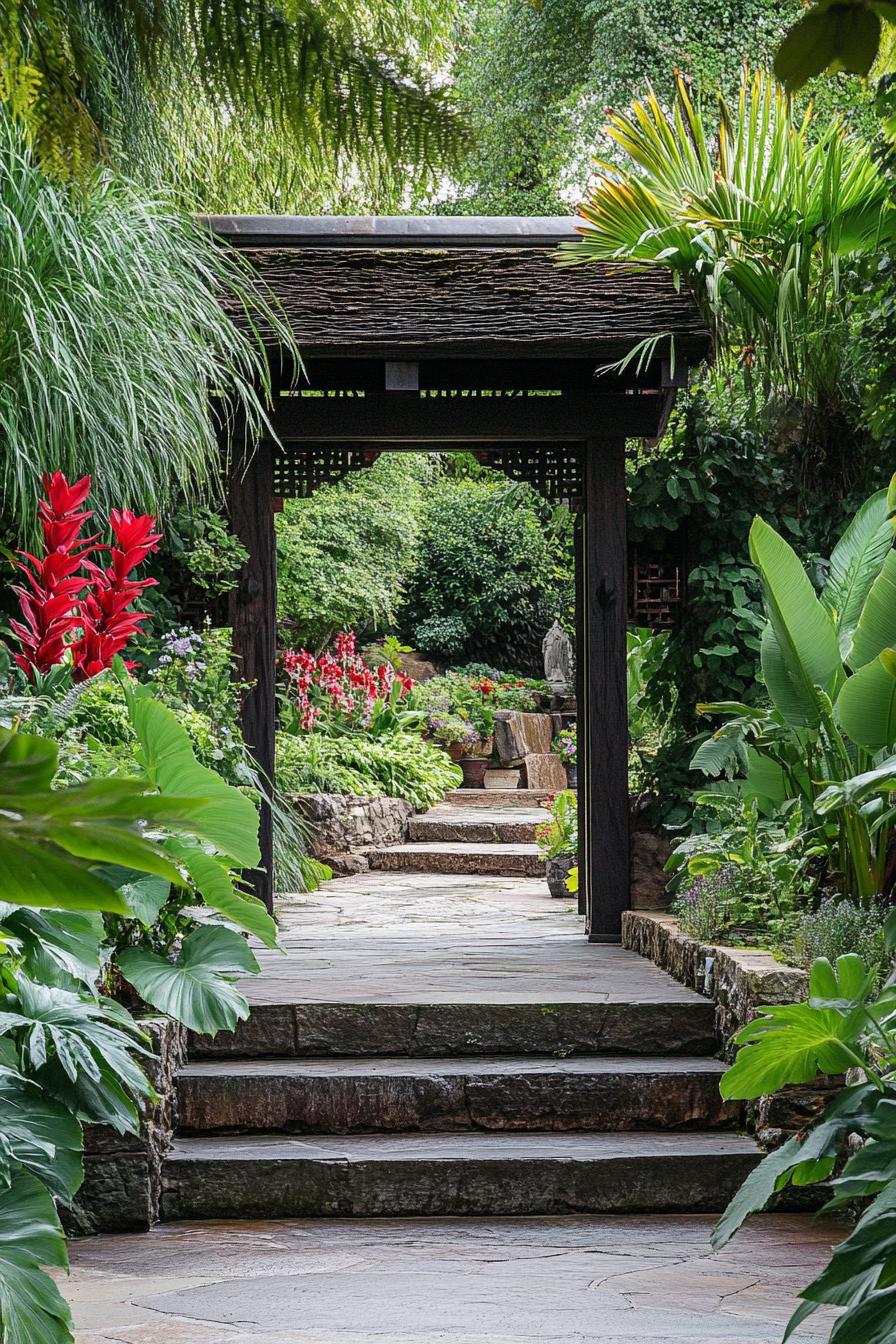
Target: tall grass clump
{"type": "Point", "coordinates": [113, 339]}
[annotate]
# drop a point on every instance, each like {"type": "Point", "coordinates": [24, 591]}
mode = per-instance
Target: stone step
{"type": "Point", "coordinates": [384, 1175]}
{"type": "Point", "coordinates": [498, 797]}
{"type": "Point", "coordinates": [488, 828]}
{"type": "Point", "coordinates": [307, 1096]}
{"type": "Point", "coordinates": [505, 860]}
{"type": "Point", "coordinates": [665, 1026]}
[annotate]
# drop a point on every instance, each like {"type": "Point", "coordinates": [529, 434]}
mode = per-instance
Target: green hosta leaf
{"type": "Point", "coordinates": [32, 1310]}
{"type": "Point", "coordinates": [866, 706]}
{"type": "Point", "coordinates": [876, 629]}
{"type": "Point", "coordinates": [800, 1157]}
{"type": "Point", "coordinates": [799, 646]}
{"type": "Point", "coordinates": [856, 561]}
{"type": "Point", "coordinates": [793, 1042]}
{"type": "Point", "coordinates": [197, 988]}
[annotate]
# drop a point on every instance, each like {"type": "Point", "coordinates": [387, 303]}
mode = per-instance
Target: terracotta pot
{"type": "Point", "coordinates": [456, 751]}
{"type": "Point", "coordinates": [474, 768]}
{"type": "Point", "coordinates": [556, 872]}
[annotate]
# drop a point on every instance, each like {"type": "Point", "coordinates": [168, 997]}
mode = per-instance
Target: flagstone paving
{"type": "Point", "coordinates": [623, 1280]}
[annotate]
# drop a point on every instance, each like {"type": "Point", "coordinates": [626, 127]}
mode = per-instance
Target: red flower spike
{"type": "Point", "coordinates": [68, 594]}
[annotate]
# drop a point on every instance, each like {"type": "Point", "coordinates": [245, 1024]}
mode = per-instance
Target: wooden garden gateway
{"type": "Point", "coordinates": [440, 333]}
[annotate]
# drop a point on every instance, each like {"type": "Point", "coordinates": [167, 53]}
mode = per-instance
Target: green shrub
{"type": "Point", "coordinates": [484, 586]}
{"type": "Point", "coordinates": [399, 765]}
{"type": "Point", "coordinates": [346, 555]}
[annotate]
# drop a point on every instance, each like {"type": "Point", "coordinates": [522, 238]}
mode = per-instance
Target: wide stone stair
{"type": "Point", "coordinates": [450, 1045]}
{"type": "Point", "coordinates": [475, 831]}
{"type": "Point", "coordinates": [370, 1135]}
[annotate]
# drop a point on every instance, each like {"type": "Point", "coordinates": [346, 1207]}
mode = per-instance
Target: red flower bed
{"type": "Point", "coordinates": [340, 684]}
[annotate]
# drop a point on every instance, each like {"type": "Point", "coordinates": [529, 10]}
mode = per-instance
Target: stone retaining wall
{"type": "Point", "coordinates": [740, 979]}
{"type": "Point", "coordinates": [123, 1172]}
{"type": "Point", "coordinates": [339, 825]}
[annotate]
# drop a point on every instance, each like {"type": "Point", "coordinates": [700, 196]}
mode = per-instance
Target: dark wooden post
{"type": "Point", "coordinates": [605, 836]}
{"type": "Point", "coordinates": [581, 683]}
{"type": "Point", "coordinates": [254, 618]}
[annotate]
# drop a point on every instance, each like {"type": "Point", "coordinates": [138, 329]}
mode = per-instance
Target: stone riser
{"type": "Point", "coordinates": [271, 1187]}
{"type": "Point", "coordinates": [306, 1103]}
{"type": "Point", "coordinates": [465, 1029]}
{"type": "Point", "coordinates": [476, 863]}
{"type": "Point", "coordinates": [475, 833]}
{"type": "Point", "coordinates": [499, 797]}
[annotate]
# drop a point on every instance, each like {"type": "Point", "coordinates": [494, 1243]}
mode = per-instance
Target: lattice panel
{"type": "Point", "coordinates": [555, 471]}
{"type": "Point", "coordinates": [298, 472]}
{"type": "Point", "coordinates": [656, 592]}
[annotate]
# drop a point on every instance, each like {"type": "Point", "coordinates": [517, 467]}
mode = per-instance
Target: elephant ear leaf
{"type": "Point", "coordinates": [197, 989]}
{"type": "Point", "coordinates": [856, 561]}
{"type": "Point", "coordinates": [32, 1309]}
{"type": "Point", "coordinates": [800, 653]}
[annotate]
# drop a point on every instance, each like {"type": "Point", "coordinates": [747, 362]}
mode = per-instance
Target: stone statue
{"type": "Point", "coordinates": [557, 649]}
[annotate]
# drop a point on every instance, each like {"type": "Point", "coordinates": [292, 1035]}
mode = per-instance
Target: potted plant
{"type": "Point", "coordinates": [558, 841]}
{"type": "Point", "coordinates": [565, 745]}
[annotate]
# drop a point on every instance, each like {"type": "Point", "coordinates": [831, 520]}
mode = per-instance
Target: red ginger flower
{"type": "Point", "coordinates": [107, 618]}
{"type": "Point", "coordinates": [54, 605]}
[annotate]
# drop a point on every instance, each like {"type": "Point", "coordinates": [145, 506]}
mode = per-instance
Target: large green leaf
{"type": "Point", "coordinates": [42, 875]}
{"type": "Point", "coordinates": [854, 1271]}
{"type": "Point", "coordinates": [866, 706]}
{"type": "Point", "coordinates": [791, 1043]}
{"type": "Point", "coordinates": [215, 882]}
{"type": "Point", "coordinates": [802, 652]}
{"type": "Point", "coordinates": [32, 1309]}
{"type": "Point", "coordinates": [40, 1134]}
{"type": "Point", "coordinates": [856, 561]}
{"type": "Point", "coordinates": [197, 989]}
{"type": "Point", "coordinates": [876, 629]}
{"type": "Point", "coordinates": [766, 781]}
{"type": "Point", "coordinates": [80, 1050]}
{"type": "Point", "coordinates": [57, 946]}
{"type": "Point", "coordinates": [27, 762]}
{"type": "Point", "coordinates": [800, 1155]}
{"type": "Point", "coordinates": [223, 816]}
{"type": "Point", "coordinates": [881, 779]}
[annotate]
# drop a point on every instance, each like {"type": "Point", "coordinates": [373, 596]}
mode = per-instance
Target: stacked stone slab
{"type": "Point", "coordinates": [524, 741]}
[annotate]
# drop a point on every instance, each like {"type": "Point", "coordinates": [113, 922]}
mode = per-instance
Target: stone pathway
{"type": "Point", "coordinates": [436, 1044]}
{"type": "Point", "coordinates": [449, 1281]}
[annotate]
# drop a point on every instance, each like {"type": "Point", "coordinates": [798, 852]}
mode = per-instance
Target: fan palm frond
{"type": "Point", "coordinates": [760, 211]}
